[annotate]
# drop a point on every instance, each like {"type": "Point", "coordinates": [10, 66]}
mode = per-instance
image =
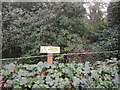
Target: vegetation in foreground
{"type": "Point", "coordinates": [60, 75]}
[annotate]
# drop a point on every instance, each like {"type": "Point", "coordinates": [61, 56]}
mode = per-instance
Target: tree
{"type": "Point", "coordinates": [114, 13]}
{"type": "Point", "coordinates": [27, 26]}
{"type": "Point", "coordinates": [109, 40]}
{"type": "Point", "coordinates": [114, 24]}
{"type": "Point", "coordinates": [96, 20]}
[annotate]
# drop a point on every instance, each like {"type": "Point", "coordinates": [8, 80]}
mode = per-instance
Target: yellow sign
{"type": "Point", "coordinates": [44, 50]}
{"type": "Point", "coordinates": [49, 49]}
{"type": "Point", "coordinates": [53, 49]}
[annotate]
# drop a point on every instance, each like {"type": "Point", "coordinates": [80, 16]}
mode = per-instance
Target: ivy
{"type": "Point", "coordinates": [59, 75]}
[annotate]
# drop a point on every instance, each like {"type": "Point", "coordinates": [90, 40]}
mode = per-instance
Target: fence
{"type": "Point", "coordinates": [67, 55]}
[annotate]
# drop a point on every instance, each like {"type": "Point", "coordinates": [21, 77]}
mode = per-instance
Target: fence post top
{"type": "Point", "coordinates": [50, 46]}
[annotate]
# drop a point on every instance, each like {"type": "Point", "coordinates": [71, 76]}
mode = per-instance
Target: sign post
{"type": "Point", "coordinates": [50, 50]}
{"type": "Point", "coordinates": [50, 58]}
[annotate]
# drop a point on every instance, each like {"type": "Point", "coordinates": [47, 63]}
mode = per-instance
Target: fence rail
{"type": "Point", "coordinates": [65, 54]}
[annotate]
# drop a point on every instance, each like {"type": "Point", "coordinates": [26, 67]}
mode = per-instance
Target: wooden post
{"type": "Point", "coordinates": [50, 58]}
{"type": "Point", "coordinates": [50, 50]}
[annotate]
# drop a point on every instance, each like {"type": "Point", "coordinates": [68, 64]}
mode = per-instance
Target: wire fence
{"type": "Point", "coordinates": [64, 54]}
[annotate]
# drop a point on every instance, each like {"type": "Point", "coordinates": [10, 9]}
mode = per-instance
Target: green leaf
{"type": "Point", "coordinates": [10, 67]}
{"type": "Point", "coordinates": [23, 81]}
{"type": "Point", "coordinates": [23, 72]}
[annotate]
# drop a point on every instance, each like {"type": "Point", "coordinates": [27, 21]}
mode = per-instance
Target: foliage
{"type": "Point", "coordinates": [114, 25]}
{"type": "Point", "coordinates": [27, 26]}
{"type": "Point", "coordinates": [96, 20]}
{"type": "Point", "coordinates": [109, 38]}
{"type": "Point", "coordinates": [114, 13]}
{"type": "Point", "coordinates": [59, 75]}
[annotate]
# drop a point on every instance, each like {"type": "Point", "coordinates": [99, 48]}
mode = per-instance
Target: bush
{"type": "Point", "coordinates": [59, 75]}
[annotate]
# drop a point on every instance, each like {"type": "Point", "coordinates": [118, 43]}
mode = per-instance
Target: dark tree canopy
{"type": "Point", "coordinates": [114, 13]}
{"type": "Point", "coordinates": [27, 26]}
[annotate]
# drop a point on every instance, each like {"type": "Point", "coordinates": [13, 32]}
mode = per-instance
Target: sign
{"type": "Point", "coordinates": [49, 49]}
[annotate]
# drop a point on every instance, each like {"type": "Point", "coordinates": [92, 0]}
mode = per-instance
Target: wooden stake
{"type": "Point", "coordinates": [50, 58]}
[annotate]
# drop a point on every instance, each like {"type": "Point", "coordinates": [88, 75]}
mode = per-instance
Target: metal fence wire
{"type": "Point", "coordinates": [69, 57]}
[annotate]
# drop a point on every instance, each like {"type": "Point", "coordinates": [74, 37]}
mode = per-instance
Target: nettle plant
{"type": "Point", "coordinates": [60, 75]}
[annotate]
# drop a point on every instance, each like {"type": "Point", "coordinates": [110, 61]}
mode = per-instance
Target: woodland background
{"type": "Point", "coordinates": [26, 26]}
